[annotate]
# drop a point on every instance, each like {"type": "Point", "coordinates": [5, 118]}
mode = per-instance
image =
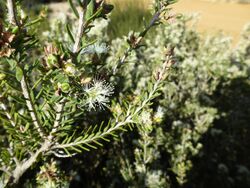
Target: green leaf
{"type": "Point", "coordinates": [19, 73]}
{"type": "Point", "coordinates": [33, 22]}
{"type": "Point", "coordinates": [91, 146]}
{"type": "Point", "coordinates": [73, 8]}
{"type": "Point", "coordinates": [84, 148]}
{"type": "Point", "coordinates": [70, 33]}
{"type": "Point", "coordinates": [12, 63]}
{"type": "Point", "coordinates": [90, 9]}
{"type": "Point", "coordinates": [18, 100]}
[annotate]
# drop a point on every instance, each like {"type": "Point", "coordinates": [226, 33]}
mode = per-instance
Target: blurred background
{"type": "Point", "coordinates": [227, 16]}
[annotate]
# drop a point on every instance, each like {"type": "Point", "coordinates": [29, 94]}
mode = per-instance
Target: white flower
{"type": "Point", "coordinates": [98, 93]}
{"type": "Point", "coordinates": [146, 118]}
{"type": "Point", "coordinates": [159, 115]}
{"type": "Point", "coordinates": [98, 48]}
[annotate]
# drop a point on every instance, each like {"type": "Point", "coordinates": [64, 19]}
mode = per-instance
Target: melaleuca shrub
{"type": "Point", "coordinates": [56, 91]}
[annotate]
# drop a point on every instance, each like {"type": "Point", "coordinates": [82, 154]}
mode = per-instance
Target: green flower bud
{"type": "Point", "coordinates": [70, 69]}
{"type": "Point", "coordinates": [52, 61]}
{"type": "Point", "coordinates": [65, 87]}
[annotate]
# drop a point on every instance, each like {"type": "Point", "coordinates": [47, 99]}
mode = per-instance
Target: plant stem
{"type": "Point", "coordinates": [138, 41]}
{"type": "Point", "coordinates": [59, 113]}
{"type": "Point", "coordinates": [11, 5]}
{"type": "Point", "coordinates": [26, 164]}
{"type": "Point", "coordinates": [31, 107]}
{"type": "Point", "coordinates": [81, 27]}
{"type": "Point", "coordinates": [60, 106]}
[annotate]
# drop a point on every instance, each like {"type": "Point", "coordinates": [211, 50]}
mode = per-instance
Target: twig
{"type": "Point", "coordinates": [138, 41]}
{"type": "Point", "coordinates": [22, 167]}
{"type": "Point", "coordinates": [59, 113]}
{"type": "Point", "coordinates": [81, 27]}
{"type": "Point", "coordinates": [59, 155]}
{"type": "Point", "coordinates": [60, 106]}
{"type": "Point", "coordinates": [11, 5]}
{"type": "Point", "coordinates": [6, 171]}
{"type": "Point", "coordinates": [31, 107]}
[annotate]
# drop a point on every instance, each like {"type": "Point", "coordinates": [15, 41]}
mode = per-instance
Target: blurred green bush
{"type": "Point", "coordinates": [202, 139]}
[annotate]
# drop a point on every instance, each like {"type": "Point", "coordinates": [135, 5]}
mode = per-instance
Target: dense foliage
{"type": "Point", "coordinates": [198, 128]}
{"type": "Point", "coordinates": [192, 132]}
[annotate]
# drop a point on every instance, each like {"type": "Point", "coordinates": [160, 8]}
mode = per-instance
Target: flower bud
{"type": "Point", "coordinates": [65, 87]}
{"type": "Point", "coordinates": [52, 61]}
{"type": "Point", "coordinates": [70, 69]}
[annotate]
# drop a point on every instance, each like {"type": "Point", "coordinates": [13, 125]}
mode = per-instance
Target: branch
{"type": "Point", "coordinates": [59, 155]}
{"type": "Point", "coordinates": [31, 107]}
{"type": "Point", "coordinates": [24, 165]}
{"type": "Point", "coordinates": [59, 113]}
{"type": "Point", "coordinates": [139, 39]}
{"type": "Point", "coordinates": [81, 27]}
{"type": "Point", "coordinates": [96, 137]}
{"type": "Point", "coordinates": [12, 13]}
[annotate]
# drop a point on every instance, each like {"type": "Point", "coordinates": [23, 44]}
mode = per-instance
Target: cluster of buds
{"type": "Point", "coordinates": [50, 175]}
{"type": "Point", "coordinates": [6, 38]}
{"type": "Point", "coordinates": [53, 59]}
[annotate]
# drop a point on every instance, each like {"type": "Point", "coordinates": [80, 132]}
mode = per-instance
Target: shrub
{"type": "Point", "coordinates": [195, 136]}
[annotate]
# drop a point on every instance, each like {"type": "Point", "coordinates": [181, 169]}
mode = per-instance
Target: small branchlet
{"type": "Point", "coordinates": [135, 41]}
